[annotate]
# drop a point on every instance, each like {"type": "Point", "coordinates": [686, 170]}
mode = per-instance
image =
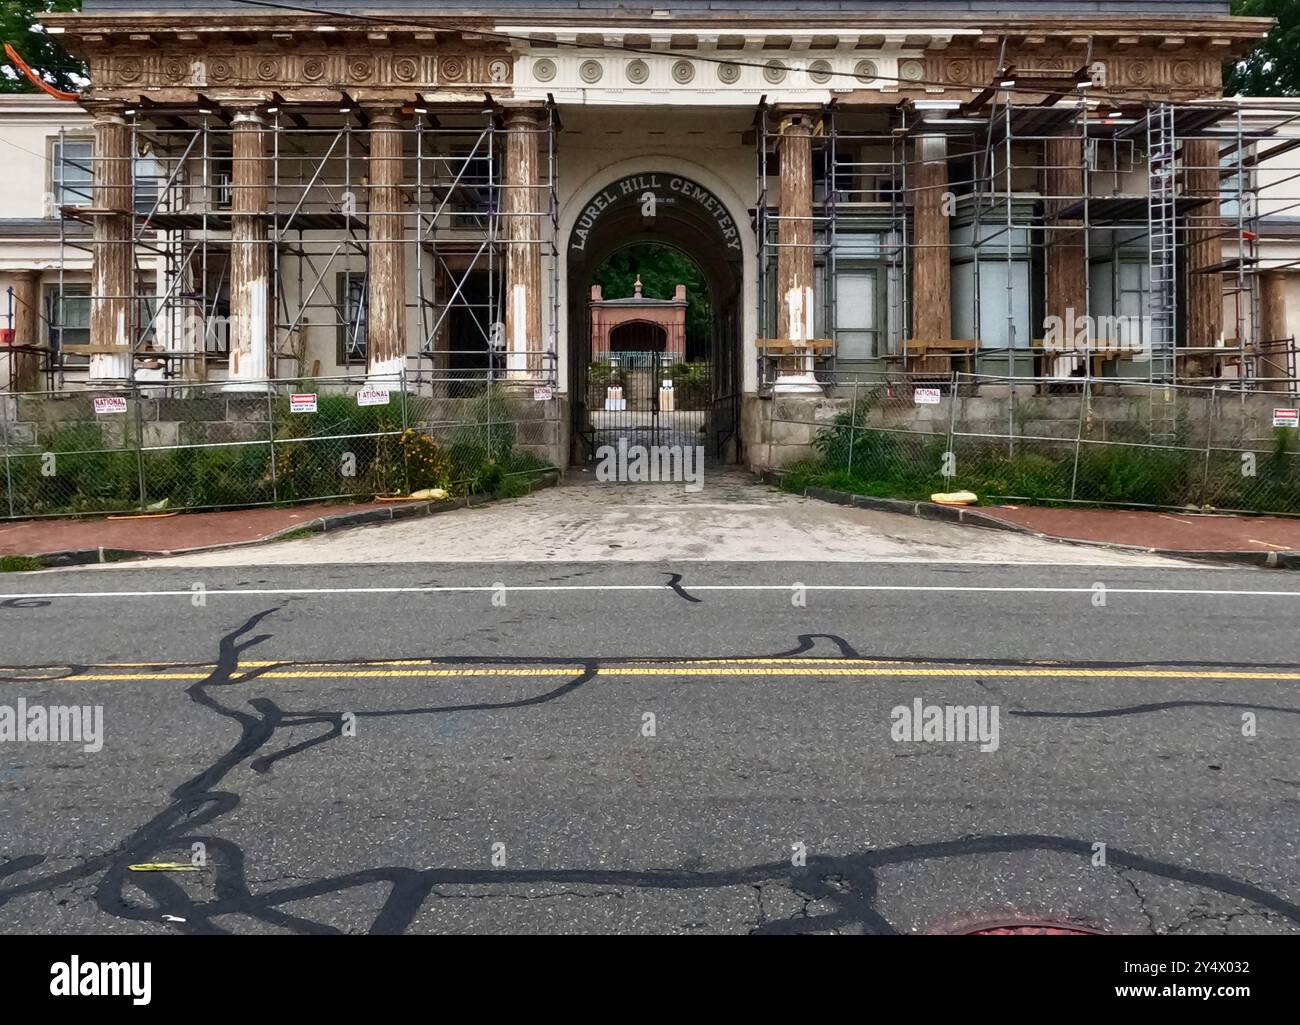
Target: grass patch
{"type": "Point", "coordinates": [854, 458]}
{"type": "Point", "coordinates": [19, 563]}
{"type": "Point", "coordinates": [342, 450]}
{"type": "Point", "coordinates": [298, 535]}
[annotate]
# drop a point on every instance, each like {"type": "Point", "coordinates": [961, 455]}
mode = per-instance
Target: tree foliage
{"type": "Point", "coordinates": [39, 49]}
{"type": "Point", "coordinates": [662, 268]}
{"type": "Point", "coordinates": [1273, 67]}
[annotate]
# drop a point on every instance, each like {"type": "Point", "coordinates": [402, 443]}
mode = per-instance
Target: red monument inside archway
{"type": "Point", "coordinates": [639, 324]}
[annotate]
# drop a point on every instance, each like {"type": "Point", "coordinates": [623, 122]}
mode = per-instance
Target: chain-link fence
{"type": "Point", "coordinates": [205, 446]}
{"type": "Point", "coordinates": [1090, 441]}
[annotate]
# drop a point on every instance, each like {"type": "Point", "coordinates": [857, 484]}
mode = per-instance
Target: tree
{"type": "Point", "coordinates": [1273, 67]}
{"type": "Point", "coordinates": [39, 49]}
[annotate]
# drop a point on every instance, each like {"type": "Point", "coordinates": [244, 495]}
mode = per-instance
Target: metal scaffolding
{"type": "Point", "coordinates": [1172, 215]}
{"type": "Point", "coordinates": [318, 219]}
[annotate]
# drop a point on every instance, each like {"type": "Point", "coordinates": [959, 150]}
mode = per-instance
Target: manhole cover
{"type": "Point", "coordinates": [1022, 927]}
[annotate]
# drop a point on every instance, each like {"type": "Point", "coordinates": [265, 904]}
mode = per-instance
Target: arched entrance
{"type": "Point", "coordinates": [638, 336]}
{"type": "Point", "coordinates": [618, 392]}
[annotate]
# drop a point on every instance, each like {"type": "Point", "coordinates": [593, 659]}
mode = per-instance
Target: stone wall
{"type": "Point", "coordinates": [30, 422]}
{"type": "Point", "coordinates": [781, 429]}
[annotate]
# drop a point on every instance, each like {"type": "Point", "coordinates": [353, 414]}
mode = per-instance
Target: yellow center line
{"type": "Point", "coordinates": [858, 671]}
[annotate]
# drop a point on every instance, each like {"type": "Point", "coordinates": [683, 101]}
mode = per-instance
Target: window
{"type": "Point", "coordinates": [213, 300]}
{"type": "Point", "coordinates": [221, 176]}
{"type": "Point", "coordinates": [68, 316]}
{"type": "Point", "coordinates": [1119, 295]}
{"type": "Point", "coordinates": [150, 177]}
{"type": "Point", "coordinates": [855, 314]}
{"type": "Point", "coordinates": [353, 305]}
{"type": "Point", "coordinates": [71, 178]}
{"type": "Point", "coordinates": [859, 303]}
{"type": "Point", "coordinates": [992, 284]}
{"type": "Point", "coordinates": [469, 173]}
{"type": "Point", "coordinates": [1004, 303]}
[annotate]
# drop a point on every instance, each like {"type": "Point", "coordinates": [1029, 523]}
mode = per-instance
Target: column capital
{"type": "Point", "coordinates": [247, 116]}
{"type": "Point", "coordinates": [524, 113]}
{"type": "Point", "coordinates": [795, 118]}
{"type": "Point", "coordinates": [107, 113]}
{"type": "Point", "coordinates": [385, 116]}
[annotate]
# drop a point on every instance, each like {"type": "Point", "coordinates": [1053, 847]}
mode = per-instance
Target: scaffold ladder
{"type": "Point", "coordinates": [1163, 264]}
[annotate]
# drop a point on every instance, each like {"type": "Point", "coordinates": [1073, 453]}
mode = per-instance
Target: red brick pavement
{"type": "Point", "coordinates": [161, 533]}
{"type": "Point", "coordinates": [1172, 531]}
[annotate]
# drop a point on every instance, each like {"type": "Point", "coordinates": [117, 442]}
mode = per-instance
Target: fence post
{"type": "Point", "coordinates": [1078, 434]}
{"type": "Point", "coordinates": [954, 384]}
{"type": "Point", "coordinates": [1209, 438]}
{"type": "Point", "coordinates": [270, 438]}
{"type": "Point", "coordinates": [1011, 411]}
{"type": "Point", "coordinates": [401, 446]}
{"type": "Point", "coordinates": [134, 390]}
{"type": "Point", "coordinates": [853, 423]}
{"type": "Point", "coordinates": [5, 402]}
{"type": "Point", "coordinates": [771, 422]}
{"type": "Point", "coordinates": [487, 440]}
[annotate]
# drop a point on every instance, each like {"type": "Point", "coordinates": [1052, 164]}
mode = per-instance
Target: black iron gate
{"type": "Point", "coordinates": [647, 399]}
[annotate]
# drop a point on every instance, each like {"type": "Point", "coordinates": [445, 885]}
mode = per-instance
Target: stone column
{"type": "Point", "coordinates": [1272, 362]}
{"type": "Point", "coordinates": [1067, 271]}
{"type": "Point", "coordinates": [795, 274]}
{"type": "Point", "coordinates": [111, 264]}
{"type": "Point", "coordinates": [386, 274]}
{"type": "Point", "coordinates": [250, 253]}
{"type": "Point", "coordinates": [522, 204]}
{"type": "Point", "coordinates": [931, 262]}
{"type": "Point", "coordinates": [27, 300]}
{"type": "Point", "coordinates": [1204, 248]}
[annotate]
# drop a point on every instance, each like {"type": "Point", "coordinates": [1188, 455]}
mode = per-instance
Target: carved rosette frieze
{"type": "Point", "coordinates": [114, 71]}
{"type": "Point", "coordinates": [1151, 74]}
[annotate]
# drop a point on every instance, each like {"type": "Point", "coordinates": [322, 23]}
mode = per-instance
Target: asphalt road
{"type": "Point", "coordinates": [703, 747]}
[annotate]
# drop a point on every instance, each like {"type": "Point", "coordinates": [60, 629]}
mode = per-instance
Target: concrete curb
{"type": "Point", "coordinates": [320, 525]}
{"type": "Point", "coordinates": [974, 517]}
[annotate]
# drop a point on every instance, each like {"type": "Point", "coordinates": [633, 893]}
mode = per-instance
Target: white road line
{"type": "Point", "coordinates": [689, 588]}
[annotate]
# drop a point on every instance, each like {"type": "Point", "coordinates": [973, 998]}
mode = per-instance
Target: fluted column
{"type": "Point", "coordinates": [386, 277]}
{"type": "Point", "coordinates": [1203, 248]}
{"type": "Point", "coordinates": [1067, 272]}
{"type": "Point", "coordinates": [111, 330]}
{"type": "Point", "coordinates": [795, 265]}
{"type": "Point", "coordinates": [522, 204]}
{"type": "Point", "coordinates": [250, 253]}
{"type": "Point", "coordinates": [27, 299]}
{"type": "Point", "coordinates": [931, 260]}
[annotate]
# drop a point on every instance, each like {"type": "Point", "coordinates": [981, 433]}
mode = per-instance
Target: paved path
{"type": "Point", "coordinates": [731, 519]}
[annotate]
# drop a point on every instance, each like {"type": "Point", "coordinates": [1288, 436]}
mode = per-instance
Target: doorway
{"type": "Point", "coordinates": [634, 374]}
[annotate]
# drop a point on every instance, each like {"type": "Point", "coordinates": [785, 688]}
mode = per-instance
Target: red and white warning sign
{"type": "Point", "coordinates": [302, 402]}
{"type": "Point", "coordinates": [109, 404]}
{"type": "Point", "coordinates": [1286, 418]}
